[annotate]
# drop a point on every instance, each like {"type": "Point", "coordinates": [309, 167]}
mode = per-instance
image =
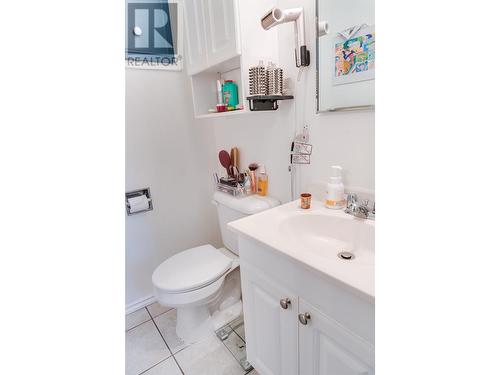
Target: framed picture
{"type": "Point", "coordinates": [354, 57]}
{"type": "Point", "coordinates": [153, 35]}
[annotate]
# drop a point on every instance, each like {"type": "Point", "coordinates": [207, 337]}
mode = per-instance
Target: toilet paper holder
{"type": "Point", "coordinates": [138, 193]}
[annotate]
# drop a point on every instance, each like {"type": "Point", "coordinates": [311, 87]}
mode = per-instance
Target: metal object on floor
{"type": "Point", "coordinates": [224, 334]}
{"type": "Point", "coordinates": [246, 365]}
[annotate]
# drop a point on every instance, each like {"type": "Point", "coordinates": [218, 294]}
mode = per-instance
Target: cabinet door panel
{"type": "Point", "coordinates": [327, 348]}
{"type": "Point", "coordinates": [196, 48]}
{"type": "Point", "coordinates": [221, 30]}
{"type": "Point", "coordinates": [270, 330]}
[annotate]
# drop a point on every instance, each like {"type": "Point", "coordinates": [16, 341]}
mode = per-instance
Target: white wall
{"type": "Point", "coordinates": [167, 151]}
{"type": "Point", "coordinates": [344, 138]}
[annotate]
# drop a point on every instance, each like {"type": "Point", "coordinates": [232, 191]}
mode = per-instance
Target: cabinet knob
{"type": "Point", "coordinates": [303, 318]}
{"type": "Point", "coordinates": [285, 302]}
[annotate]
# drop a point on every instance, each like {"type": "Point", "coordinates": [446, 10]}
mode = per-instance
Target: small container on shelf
{"type": "Point", "coordinates": [230, 93]}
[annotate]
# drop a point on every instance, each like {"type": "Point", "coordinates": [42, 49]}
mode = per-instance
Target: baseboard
{"type": "Point", "coordinates": [134, 306]}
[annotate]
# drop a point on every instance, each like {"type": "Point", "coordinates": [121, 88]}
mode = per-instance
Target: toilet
{"type": "Point", "coordinates": [203, 283]}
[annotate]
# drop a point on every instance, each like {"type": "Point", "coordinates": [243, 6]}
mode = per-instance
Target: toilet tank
{"type": "Point", "coordinates": [230, 208]}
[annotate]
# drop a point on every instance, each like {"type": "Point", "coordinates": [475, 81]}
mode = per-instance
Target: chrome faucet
{"type": "Point", "coordinates": [361, 210]}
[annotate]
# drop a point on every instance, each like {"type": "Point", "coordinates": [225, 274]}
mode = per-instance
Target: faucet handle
{"type": "Point", "coordinates": [365, 202]}
{"type": "Point", "coordinates": [352, 198]}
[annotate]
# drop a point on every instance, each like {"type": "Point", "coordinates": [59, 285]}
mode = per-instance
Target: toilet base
{"type": "Point", "coordinates": [220, 318]}
{"type": "Point", "coordinates": [193, 323]}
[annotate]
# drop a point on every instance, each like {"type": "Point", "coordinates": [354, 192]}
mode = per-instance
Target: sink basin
{"type": "Point", "coordinates": [316, 237]}
{"type": "Point", "coordinates": [328, 235]}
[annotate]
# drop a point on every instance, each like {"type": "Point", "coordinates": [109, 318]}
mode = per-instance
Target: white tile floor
{"type": "Point", "coordinates": [153, 348]}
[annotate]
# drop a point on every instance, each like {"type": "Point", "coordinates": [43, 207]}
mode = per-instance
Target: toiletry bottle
{"type": "Point", "coordinates": [335, 189]}
{"type": "Point", "coordinates": [263, 182]}
{"type": "Point", "coordinates": [253, 176]}
{"type": "Point", "coordinates": [230, 94]}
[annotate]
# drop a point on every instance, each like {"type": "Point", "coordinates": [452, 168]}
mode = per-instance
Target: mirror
{"type": "Point", "coordinates": [345, 54]}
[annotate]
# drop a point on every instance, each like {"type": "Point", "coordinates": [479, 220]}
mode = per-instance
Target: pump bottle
{"type": "Point", "coordinates": [335, 189]}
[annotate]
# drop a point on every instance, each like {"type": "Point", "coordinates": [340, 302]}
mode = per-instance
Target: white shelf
{"type": "Point", "coordinates": [224, 114]}
{"type": "Point", "coordinates": [204, 88]}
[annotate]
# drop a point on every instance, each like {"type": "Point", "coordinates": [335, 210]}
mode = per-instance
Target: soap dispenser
{"type": "Point", "coordinates": [335, 189]}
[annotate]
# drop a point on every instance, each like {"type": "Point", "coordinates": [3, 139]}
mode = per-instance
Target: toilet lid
{"type": "Point", "coordinates": [191, 269]}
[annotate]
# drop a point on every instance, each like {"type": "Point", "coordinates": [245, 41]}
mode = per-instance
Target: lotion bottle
{"type": "Point", "coordinates": [335, 189]}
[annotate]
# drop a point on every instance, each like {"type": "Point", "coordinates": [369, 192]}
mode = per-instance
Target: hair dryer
{"type": "Point", "coordinates": [278, 16]}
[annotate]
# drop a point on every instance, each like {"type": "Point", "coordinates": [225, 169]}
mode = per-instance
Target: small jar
{"type": "Point", "coordinates": [305, 201]}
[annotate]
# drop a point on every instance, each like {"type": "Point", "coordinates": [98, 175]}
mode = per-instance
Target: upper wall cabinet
{"type": "Point", "coordinates": [212, 33]}
{"type": "Point", "coordinates": [221, 29]}
{"type": "Point", "coordinates": [195, 36]}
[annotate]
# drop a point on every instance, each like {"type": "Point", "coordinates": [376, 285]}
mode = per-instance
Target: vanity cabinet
{"type": "Point", "coordinates": [272, 315]}
{"type": "Point", "coordinates": [300, 322]}
{"type": "Point", "coordinates": [211, 33]}
{"type": "Point", "coordinates": [328, 348]}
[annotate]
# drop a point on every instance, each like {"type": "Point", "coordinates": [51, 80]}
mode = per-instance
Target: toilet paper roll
{"type": "Point", "coordinates": [139, 203]}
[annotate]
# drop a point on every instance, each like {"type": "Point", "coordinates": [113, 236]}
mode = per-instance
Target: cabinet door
{"type": "Point", "coordinates": [196, 48]}
{"type": "Point", "coordinates": [327, 348]}
{"type": "Point", "coordinates": [270, 329]}
{"type": "Point", "coordinates": [221, 28]}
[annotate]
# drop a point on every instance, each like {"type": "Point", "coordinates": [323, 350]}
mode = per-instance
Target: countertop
{"type": "Point", "coordinates": [268, 227]}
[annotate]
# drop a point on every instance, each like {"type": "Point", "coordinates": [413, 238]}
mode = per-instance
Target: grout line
{"type": "Point", "coordinates": [165, 341]}
{"type": "Point", "coordinates": [140, 324]}
{"type": "Point", "coordinates": [156, 316]}
{"type": "Point", "coordinates": [179, 366]}
{"type": "Point", "coordinates": [158, 329]}
{"type": "Point", "coordinates": [156, 364]}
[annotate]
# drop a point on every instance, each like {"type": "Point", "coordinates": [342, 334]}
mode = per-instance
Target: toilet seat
{"type": "Point", "coordinates": [191, 270]}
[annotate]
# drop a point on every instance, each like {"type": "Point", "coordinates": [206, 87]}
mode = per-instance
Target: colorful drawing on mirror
{"type": "Point", "coordinates": [355, 59]}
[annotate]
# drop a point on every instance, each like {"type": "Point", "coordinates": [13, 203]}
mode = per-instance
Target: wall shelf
{"type": "Point", "coordinates": [266, 102]}
{"type": "Point", "coordinates": [224, 114]}
{"type": "Point", "coordinates": [204, 87]}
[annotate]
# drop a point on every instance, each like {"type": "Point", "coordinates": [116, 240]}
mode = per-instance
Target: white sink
{"type": "Point", "coordinates": [315, 237]}
{"type": "Point", "coordinates": [327, 234]}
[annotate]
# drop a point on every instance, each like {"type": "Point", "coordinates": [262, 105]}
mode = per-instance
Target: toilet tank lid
{"type": "Point", "coordinates": [249, 205]}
